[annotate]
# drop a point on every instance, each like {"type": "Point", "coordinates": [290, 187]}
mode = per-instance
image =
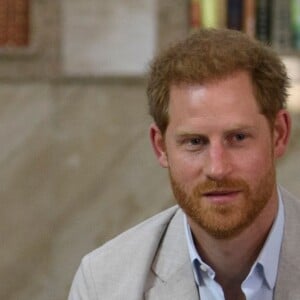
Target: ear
{"type": "Point", "coordinates": [158, 145]}
{"type": "Point", "coordinates": [281, 132]}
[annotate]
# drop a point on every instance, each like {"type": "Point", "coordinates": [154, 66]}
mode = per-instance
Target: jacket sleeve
{"type": "Point", "coordinates": [83, 287]}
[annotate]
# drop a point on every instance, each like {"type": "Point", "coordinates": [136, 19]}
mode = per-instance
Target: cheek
{"type": "Point", "coordinates": [185, 170]}
{"type": "Point", "coordinates": [255, 165]}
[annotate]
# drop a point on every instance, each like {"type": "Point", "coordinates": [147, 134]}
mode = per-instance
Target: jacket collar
{"type": "Point", "coordinates": [172, 267]}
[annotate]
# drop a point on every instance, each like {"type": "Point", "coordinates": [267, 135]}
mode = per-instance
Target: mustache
{"type": "Point", "coordinates": [226, 184]}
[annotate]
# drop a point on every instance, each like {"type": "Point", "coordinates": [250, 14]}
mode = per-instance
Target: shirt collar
{"type": "Point", "coordinates": [197, 262]}
{"type": "Point", "coordinates": [269, 255]}
{"type": "Point", "coordinates": [268, 258]}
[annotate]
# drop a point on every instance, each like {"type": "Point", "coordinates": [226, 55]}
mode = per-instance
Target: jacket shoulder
{"type": "Point", "coordinates": [287, 284]}
{"type": "Point", "coordinates": [291, 205]}
{"type": "Point", "coordinates": [136, 237]}
{"type": "Point", "coordinates": [122, 264]}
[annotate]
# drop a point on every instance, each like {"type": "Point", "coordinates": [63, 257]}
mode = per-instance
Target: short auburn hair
{"type": "Point", "coordinates": [211, 55]}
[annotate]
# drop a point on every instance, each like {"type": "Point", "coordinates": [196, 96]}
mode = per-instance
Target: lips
{"type": "Point", "coordinates": [221, 196]}
{"type": "Point", "coordinates": [221, 192]}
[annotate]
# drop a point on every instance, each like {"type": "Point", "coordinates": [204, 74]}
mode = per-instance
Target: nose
{"type": "Point", "coordinates": [218, 164]}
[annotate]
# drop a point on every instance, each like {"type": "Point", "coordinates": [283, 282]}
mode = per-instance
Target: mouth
{"type": "Point", "coordinates": [221, 196]}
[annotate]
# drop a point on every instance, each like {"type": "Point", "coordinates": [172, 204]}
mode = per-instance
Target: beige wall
{"type": "Point", "coordinates": [76, 164]}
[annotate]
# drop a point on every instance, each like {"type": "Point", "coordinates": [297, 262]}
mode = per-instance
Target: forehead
{"type": "Point", "coordinates": [227, 101]}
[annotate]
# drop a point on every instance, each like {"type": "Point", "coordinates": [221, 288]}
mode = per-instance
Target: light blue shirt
{"type": "Point", "coordinates": [260, 282]}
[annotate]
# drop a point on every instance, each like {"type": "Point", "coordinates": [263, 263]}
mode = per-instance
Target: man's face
{"type": "Point", "coordinates": [220, 152]}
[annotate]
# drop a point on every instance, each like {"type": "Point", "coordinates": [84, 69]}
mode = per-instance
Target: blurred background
{"type": "Point", "coordinates": [76, 165]}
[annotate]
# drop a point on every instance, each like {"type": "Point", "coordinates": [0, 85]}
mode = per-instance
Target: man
{"type": "Point", "coordinates": [218, 102]}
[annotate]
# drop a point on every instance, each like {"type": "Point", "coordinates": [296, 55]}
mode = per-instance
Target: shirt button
{"type": "Point", "coordinates": [211, 274]}
{"type": "Point", "coordinates": [203, 268]}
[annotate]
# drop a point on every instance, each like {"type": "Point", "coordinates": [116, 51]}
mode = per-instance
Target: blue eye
{"type": "Point", "coordinates": [240, 136]}
{"type": "Point", "coordinates": [198, 141]}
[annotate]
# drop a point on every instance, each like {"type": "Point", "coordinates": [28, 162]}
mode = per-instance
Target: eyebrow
{"type": "Point", "coordinates": [186, 132]}
{"type": "Point", "coordinates": [242, 127]}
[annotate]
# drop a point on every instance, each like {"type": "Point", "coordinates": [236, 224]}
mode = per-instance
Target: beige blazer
{"type": "Point", "coordinates": [151, 262]}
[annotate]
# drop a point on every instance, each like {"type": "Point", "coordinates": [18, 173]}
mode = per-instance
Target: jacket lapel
{"type": "Point", "coordinates": [179, 286]}
{"type": "Point", "coordinates": [172, 268]}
